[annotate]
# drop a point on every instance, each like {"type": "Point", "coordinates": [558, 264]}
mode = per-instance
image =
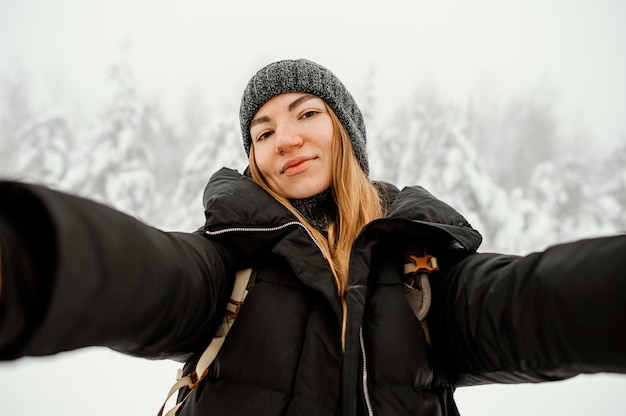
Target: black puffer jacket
{"type": "Point", "coordinates": [494, 318]}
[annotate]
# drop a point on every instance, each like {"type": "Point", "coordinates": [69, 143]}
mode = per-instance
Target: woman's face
{"type": "Point", "coordinates": [292, 135]}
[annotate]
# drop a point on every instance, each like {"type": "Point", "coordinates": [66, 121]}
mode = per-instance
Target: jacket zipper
{"type": "Point", "coordinates": [267, 230]}
{"type": "Point", "coordinates": [366, 393]}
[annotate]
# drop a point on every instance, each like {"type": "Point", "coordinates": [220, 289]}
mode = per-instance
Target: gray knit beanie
{"type": "Point", "coordinates": [308, 77]}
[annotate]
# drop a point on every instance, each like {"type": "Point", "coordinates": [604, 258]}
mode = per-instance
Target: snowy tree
{"type": "Point", "coordinates": [367, 97]}
{"type": "Point", "coordinates": [435, 152]}
{"type": "Point", "coordinates": [116, 164]}
{"type": "Point", "coordinates": [15, 113]}
{"type": "Point", "coordinates": [219, 146]}
{"type": "Point", "coordinates": [384, 147]}
{"type": "Point", "coordinates": [517, 134]}
{"type": "Point", "coordinates": [44, 150]}
{"type": "Point", "coordinates": [610, 199]}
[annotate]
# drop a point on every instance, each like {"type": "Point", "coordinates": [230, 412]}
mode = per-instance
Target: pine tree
{"type": "Point", "coordinates": [116, 164]}
{"type": "Point", "coordinates": [43, 154]}
{"type": "Point", "coordinates": [610, 200]}
{"type": "Point", "coordinates": [219, 145]}
{"type": "Point", "coordinates": [16, 112]}
{"type": "Point", "coordinates": [524, 133]}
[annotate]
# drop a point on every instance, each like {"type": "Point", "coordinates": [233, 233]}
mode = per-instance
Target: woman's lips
{"type": "Point", "coordinates": [296, 165]}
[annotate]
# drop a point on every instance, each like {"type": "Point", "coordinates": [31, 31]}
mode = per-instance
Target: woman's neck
{"type": "Point", "coordinates": [319, 210]}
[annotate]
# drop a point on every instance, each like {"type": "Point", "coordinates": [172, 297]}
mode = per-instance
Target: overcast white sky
{"type": "Point", "coordinates": [212, 48]}
{"type": "Point", "coordinates": [576, 47]}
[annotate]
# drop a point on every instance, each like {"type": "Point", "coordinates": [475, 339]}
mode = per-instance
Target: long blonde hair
{"type": "Point", "coordinates": [358, 203]}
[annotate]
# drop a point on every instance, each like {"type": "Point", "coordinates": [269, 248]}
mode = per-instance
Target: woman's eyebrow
{"type": "Point", "coordinates": [300, 100]}
{"type": "Point", "coordinates": [262, 119]}
{"type": "Point", "coordinates": [295, 103]}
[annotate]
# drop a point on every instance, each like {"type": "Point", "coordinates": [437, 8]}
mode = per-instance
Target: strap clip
{"type": "Point", "coordinates": [195, 380]}
{"type": "Point", "coordinates": [424, 264]}
{"type": "Point", "coordinates": [233, 307]}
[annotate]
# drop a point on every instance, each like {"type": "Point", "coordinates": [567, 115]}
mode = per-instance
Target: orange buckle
{"type": "Point", "coordinates": [195, 380]}
{"type": "Point", "coordinates": [424, 264]}
{"type": "Point", "coordinates": [233, 308]}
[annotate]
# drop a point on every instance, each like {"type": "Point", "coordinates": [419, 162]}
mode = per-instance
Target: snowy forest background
{"type": "Point", "coordinates": [521, 173]}
{"type": "Point", "coordinates": [513, 168]}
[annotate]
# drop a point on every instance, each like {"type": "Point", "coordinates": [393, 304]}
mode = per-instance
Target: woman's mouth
{"type": "Point", "coordinates": [296, 165]}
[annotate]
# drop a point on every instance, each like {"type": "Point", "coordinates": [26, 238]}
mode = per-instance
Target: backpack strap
{"type": "Point", "coordinates": [416, 287]}
{"type": "Point", "coordinates": [240, 290]}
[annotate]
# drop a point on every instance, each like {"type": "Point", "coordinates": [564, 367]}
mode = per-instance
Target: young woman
{"type": "Point", "coordinates": [340, 318]}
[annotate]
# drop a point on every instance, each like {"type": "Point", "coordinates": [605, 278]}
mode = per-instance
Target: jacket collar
{"type": "Point", "coordinates": [430, 216]}
{"type": "Point", "coordinates": [243, 215]}
{"type": "Point", "coordinates": [234, 201]}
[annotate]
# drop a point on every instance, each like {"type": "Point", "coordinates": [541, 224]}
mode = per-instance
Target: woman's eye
{"type": "Point", "coordinates": [264, 136]}
{"type": "Point", "coordinates": [309, 113]}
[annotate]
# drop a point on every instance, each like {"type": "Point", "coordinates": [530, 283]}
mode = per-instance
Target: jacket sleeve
{"type": "Point", "coordinates": [76, 273]}
{"type": "Point", "coordinates": [545, 316]}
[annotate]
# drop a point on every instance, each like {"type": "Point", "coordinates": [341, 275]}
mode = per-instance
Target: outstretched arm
{"type": "Point", "coordinates": [78, 273]}
{"type": "Point", "coordinates": [548, 315]}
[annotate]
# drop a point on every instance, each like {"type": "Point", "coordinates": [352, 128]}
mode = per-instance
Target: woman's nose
{"type": "Point", "coordinates": [286, 138]}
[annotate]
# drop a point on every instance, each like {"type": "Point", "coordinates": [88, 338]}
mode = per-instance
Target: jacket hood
{"type": "Point", "coordinates": [414, 212]}
{"type": "Point", "coordinates": [239, 211]}
{"type": "Point", "coordinates": [233, 201]}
